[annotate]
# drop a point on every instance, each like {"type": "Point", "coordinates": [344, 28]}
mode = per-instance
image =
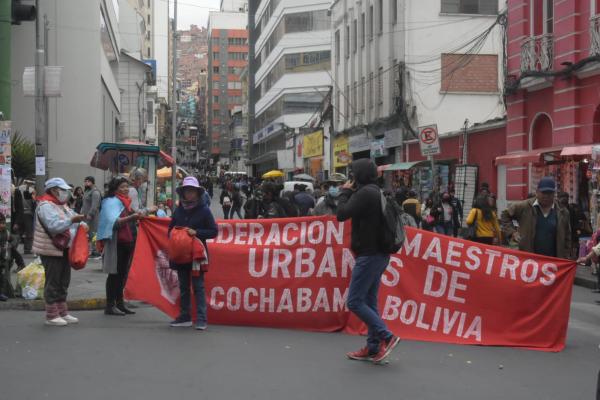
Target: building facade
{"type": "Point", "coordinates": [89, 110]}
{"type": "Point", "coordinates": [399, 64]}
{"type": "Point", "coordinates": [228, 56]}
{"type": "Point", "coordinates": [552, 105]}
{"type": "Point", "coordinates": [289, 80]}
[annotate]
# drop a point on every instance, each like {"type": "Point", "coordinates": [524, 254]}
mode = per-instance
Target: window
{"type": "Point", "coordinates": [237, 41]}
{"type": "Point", "coordinates": [370, 22]}
{"type": "Point", "coordinates": [105, 40]}
{"type": "Point", "coordinates": [485, 7]}
{"type": "Point", "coordinates": [354, 105]}
{"type": "Point", "coordinates": [362, 96]}
{"type": "Point", "coordinates": [215, 99]}
{"type": "Point", "coordinates": [149, 4]}
{"type": "Point", "coordinates": [396, 81]}
{"type": "Point", "coordinates": [380, 86]}
{"type": "Point", "coordinates": [150, 112]}
{"type": "Point", "coordinates": [380, 15]}
{"type": "Point", "coordinates": [354, 35]}
{"type": "Point", "coordinates": [370, 94]}
{"type": "Point", "coordinates": [394, 11]}
{"type": "Point", "coordinates": [238, 56]}
{"type": "Point", "coordinates": [362, 30]}
{"type": "Point", "coordinates": [216, 55]}
{"type": "Point", "coordinates": [337, 47]}
{"type": "Point", "coordinates": [549, 16]}
{"type": "Point", "coordinates": [148, 19]}
{"type": "Point", "coordinates": [216, 113]}
{"type": "Point", "coordinates": [215, 70]}
{"type": "Point", "coordinates": [337, 106]}
{"type": "Point", "coordinates": [347, 102]}
{"type": "Point", "coordinates": [149, 53]}
{"type": "Point", "coordinates": [469, 73]}
{"type": "Point", "coordinates": [234, 85]}
{"type": "Point", "coordinates": [347, 47]}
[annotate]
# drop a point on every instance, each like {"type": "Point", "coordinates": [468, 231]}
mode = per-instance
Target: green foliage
{"type": "Point", "coordinates": [23, 157]}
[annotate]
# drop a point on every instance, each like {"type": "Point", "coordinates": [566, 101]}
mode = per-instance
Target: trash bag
{"type": "Point", "coordinates": [181, 249]}
{"type": "Point", "coordinates": [79, 251]}
{"type": "Point", "coordinates": [31, 280]}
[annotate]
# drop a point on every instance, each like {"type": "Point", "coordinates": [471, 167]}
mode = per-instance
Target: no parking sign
{"type": "Point", "coordinates": [429, 140]}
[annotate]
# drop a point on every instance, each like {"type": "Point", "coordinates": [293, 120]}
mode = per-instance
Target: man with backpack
{"type": "Point", "coordinates": [361, 200]}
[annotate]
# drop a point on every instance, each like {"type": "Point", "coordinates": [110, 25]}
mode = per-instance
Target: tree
{"type": "Point", "coordinates": [23, 157]}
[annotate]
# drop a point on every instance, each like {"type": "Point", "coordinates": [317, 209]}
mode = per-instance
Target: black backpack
{"type": "Point", "coordinates": [393, 234]}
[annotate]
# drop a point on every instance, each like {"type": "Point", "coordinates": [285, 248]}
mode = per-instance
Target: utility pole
{"type": "Point", "coordinates": [174, 109]}
{"type": "Point", "coordinates": [40, 139]}
{"type": "Point", "coordinates": [5, 32]}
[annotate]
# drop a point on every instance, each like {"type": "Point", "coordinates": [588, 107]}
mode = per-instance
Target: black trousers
{"type": "Point", "coordinates": [115, 283]}
{"type": "Point", "coordinates": [58, 278]}
{"type": "Point", "coordinates": [484, 240]}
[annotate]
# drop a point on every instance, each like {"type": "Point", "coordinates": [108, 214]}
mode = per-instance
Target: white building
{"type": "Point", "coordinates": [400, 64]}
{"type": "Point", "coordinates": [234, 5]}
{"type": "Point", "coordinates": [291, 42]}
{"type": "Point", "coordinates": [84, 39]}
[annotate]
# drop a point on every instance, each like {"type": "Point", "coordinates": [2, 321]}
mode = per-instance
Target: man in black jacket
{"type": "Point", "coordinates": [361, 201]}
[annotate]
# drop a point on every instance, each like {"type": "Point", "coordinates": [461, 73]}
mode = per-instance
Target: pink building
{"type": "Point", "coordinates": [553, 95]}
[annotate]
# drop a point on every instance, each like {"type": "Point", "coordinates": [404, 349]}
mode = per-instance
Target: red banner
{"type": "Point", "coordinates": [294, 274]}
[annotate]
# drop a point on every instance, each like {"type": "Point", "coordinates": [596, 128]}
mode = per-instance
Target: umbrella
{"type": "Point", "coordinates": [166, 173]}
{"type": "Point", "coordinates": [273, 174]}
{"type": "Point", "coordinates": [304, 177]}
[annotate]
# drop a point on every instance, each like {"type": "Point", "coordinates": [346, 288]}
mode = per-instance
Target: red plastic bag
{"type": "Point", "coordinates": [181, 249]}
{"type": "Point", "coordinates": [79, 251]}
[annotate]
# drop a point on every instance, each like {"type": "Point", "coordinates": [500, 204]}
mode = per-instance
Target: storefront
{"type": "Point", "coordinates": [312, 148]}
{"type": "Point", "coordinates": [341, 154]}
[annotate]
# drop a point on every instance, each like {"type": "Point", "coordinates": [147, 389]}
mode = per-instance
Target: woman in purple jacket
{"type": "Point", "coordinates": [194, 214]}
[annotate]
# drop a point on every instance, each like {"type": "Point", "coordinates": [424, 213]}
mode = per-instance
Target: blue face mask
{"type": "Point", "coordinates": [334, 191]}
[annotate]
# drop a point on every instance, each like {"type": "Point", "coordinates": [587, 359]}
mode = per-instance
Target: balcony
{"type": "Point", "coordinates": [537, 55]}
{"type": "Point", "coordinates": [592, 68]}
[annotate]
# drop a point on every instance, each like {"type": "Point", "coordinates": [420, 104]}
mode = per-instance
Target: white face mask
{"type": "Point", "coordinates": [63, 196]}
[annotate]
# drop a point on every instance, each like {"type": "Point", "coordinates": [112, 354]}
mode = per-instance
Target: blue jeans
{"type": "Point", "coordinates": [184, 287]}
{"type": "Point", "coordinates": [362, 296]}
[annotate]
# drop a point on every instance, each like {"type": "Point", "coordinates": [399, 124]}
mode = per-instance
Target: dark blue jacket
{"type": "Point", "coordinates": [200, 219]}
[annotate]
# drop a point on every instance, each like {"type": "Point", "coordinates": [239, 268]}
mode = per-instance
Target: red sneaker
{"type": "Point", "coordinates": [385, 349]}
{"type": "Point", "coordinates": [361, 355]}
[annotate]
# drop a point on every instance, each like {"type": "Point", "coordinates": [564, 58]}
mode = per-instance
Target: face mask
{"type": "Point", "coordinates": [63, 196]}
{"type": "Point", "coordinates": [334, 191]}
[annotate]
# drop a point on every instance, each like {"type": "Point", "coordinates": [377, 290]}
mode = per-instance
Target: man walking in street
{"type": "Point", "coordinates": [539, 225]}
{"type": "Point", "coordinates": [360, 200]}
{"type": "Point", "coordinates": [91, 208]}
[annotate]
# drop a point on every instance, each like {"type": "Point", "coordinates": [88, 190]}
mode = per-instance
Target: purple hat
{"type": "Point", "coordinates": [189, 181]}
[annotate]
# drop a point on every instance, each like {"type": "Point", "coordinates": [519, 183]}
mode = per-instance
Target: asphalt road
{"type": "Point", "coordinates": [140, 357]}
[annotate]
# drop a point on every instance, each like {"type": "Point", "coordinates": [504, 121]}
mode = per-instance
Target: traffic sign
{"type": "Point", "coordinates": [429, 140]}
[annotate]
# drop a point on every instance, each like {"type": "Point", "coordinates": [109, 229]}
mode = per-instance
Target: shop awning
{"type": "Point", "coordinates": [381, 168]}
{"type": "Point", "coordinates": [525, 157]}
{"type": "Point", "coordinates": [403, 166]}
{"type": "Point", "coordinates": [583, 150]}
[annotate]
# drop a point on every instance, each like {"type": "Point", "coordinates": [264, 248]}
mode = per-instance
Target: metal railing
{"type": "Point", "coordinates": [537, 53]}
{"type": "Point", "coordinates": [595, 35]}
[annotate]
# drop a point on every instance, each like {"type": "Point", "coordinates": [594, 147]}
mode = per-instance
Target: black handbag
{"type": "Point", "coordinates": [471, 233]}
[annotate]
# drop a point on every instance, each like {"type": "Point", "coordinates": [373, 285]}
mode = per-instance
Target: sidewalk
{"type": "Point", "coordinates": [87, 289]}
{"type": "Point", "coordinates": [86, 292]}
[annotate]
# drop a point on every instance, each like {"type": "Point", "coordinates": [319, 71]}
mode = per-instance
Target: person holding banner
{"type": "Point", "coordinates": [361, 201]}
{"type": "Point", "coordinates": [116, 229]}
{"type": "Point", "coordinates": [193, 214]}
{"type": "Point", "coordinates": [539, 225]}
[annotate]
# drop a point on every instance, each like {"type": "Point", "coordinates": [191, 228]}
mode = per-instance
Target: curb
{"type": "Point", "coordinates": [585, 282]}
{"type": "Point", "coordinates": [39, 305]}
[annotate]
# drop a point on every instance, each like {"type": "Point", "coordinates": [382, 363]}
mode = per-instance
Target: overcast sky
{"type": "Point", "coordinates": [193, 12]}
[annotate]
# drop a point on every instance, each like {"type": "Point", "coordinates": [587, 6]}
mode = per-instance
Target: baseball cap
{"type": "Point", "coordinates": [547, 184]}
{"type": "Point", "coordinates": [56, 182]}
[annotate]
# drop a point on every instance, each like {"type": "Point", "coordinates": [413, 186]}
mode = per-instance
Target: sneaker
{"type": "Point", "coordinates": [70, 319]}
{"type": "Point", "coordinates": [201, 326]}
{"type": "Point", "coordinates": [181, 322]}
{"type": "Point", "coordinates": [385, 349]}
{"type": "Point", "coordinates": [58, 321]}
{"type": "Point", "coordinates": [361, 355]}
